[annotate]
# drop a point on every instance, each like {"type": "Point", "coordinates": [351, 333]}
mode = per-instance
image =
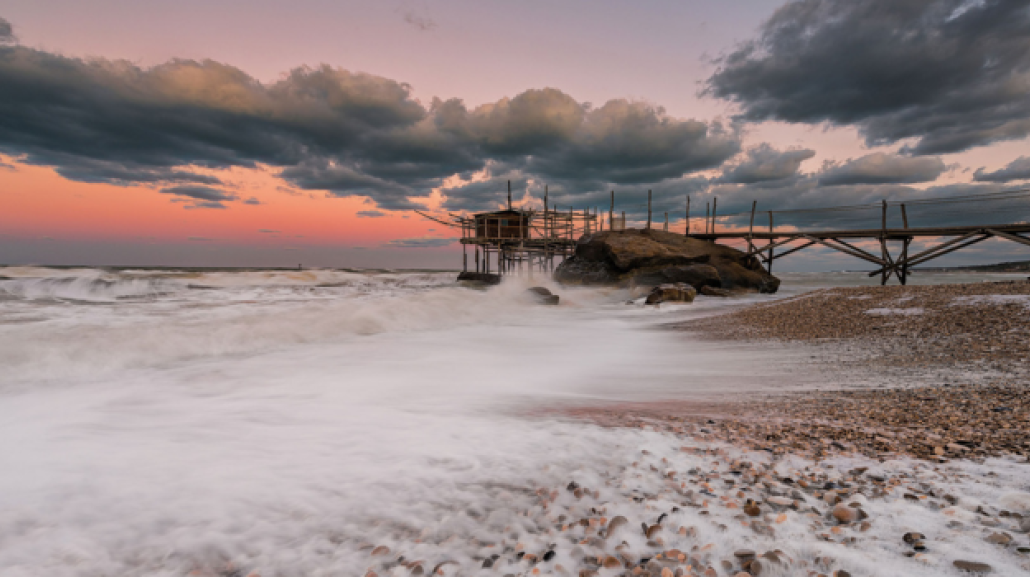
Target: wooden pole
{"type": "Point", "coordinates": [903, 277]}
{"type": "Point", "coordinates": [708, 206]}
{"type": "Point", "coordinates": [611, 212]}
{"type": "Point", "coordinates": [648, 210]}
{"type": "Point", "coordinates": [687, 233]}
{"type": "Point", "coordinates": [715, 205]}
{"type": "Point", "coordinates": [770, 242]}
{"type": "Point", "coordinates": [477, 259]}
{"type": "Point", "coordinates": [883, 245]}
{"type": "Point", "coordinates": [509, 196]}
{"type": "Point", "coordinates": [464, 258]}
{"type": "Point", "coordinates": [545, 213]}
{"type": "Point", "coordinates": [666, 222]}
{"type": "Point", "coordinates": [751, 228]}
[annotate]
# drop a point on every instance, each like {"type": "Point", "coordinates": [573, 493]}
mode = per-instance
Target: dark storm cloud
{"type": "Point", "coordinates": [883, 168]}
{"type": "Point", "coordinates": [371, 214]}
{"type": "Point", "coordinates": [1018, 169]}
{"type": "Point", "coordinates": [6, 32]}
{"type": "Point", "coordinates": [323, 128]}
{"type": "Point", "coordinates": [199, 196]}
{"type": "Point", "coordinates": [764, 163]}
{"type": "Point", "coordinates": [953, 74]}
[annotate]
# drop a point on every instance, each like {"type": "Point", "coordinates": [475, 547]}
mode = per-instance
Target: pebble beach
{"type": "Point", "coordinates": [901, 474]}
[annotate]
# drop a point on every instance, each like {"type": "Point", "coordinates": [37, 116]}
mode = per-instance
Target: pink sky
{"type": "Point", "coordinates": [480, 52]}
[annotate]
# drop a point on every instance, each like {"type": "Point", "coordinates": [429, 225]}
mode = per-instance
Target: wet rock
{"type": "Point", "coordinates": [912, 537]}
{"type": "Point", "coordinates": [679, 292]}
{"type": "Point", "coordinates": [744, 554]}
{"type": "Point", "coordinates": [844, 514]}
{"type": "Point", "coordinates": [543, 296]}
{"type": "Point", "coordinates": [972, 566]}
{"type": "Point", "coordinates": [999, 539]}
{"type": "Point", "coordinates": [711, 291]}
{"type": "Point", "coordinates": [616, 257]}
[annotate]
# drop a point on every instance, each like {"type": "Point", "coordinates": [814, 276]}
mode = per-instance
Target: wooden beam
{"type": "Point", "coordinates": [793, 250]}
{"type": "Point", "coordinates": [930, 251]}
{"type": "Point", "coordinates": [776, 244]}
{"type": "Point", "coordinates": [844, 250]}
{"type": "Point", "coordinates": [1012, 237]}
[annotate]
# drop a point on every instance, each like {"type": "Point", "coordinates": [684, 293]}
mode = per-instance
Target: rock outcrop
{"type": "Point", "coordinates": [647, 258]}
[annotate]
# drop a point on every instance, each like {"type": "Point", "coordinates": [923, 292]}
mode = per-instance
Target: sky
{"type": "Point", "coordinates": [259, 133]}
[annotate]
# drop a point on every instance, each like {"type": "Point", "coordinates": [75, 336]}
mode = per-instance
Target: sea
{"type": "Point", "coordinates": [160, 421]}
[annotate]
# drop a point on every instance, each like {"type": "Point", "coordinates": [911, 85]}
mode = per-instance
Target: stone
{"type": "Point", "coordinates": [543, 296]}
{"type": "Point", "coordinates": [678, 292]}
{"type": "Point", "coordinates": [972, 566]}
{"type": "Point", "coordinates": [912, 537]}
{"type": "Point", "coordinates": [616, 257]}
{"type": "Point", "coordinates": [615, 523]}
{"type": "Point", "coordinates": [611, 563]}
{"type": "Point", "coordinates": [845, 514]}
{"type": "Point", "coordinates": [999, 539]}
{"type": "Point", "coordinates": [780, 502]}
{"type": "Point", "coordinates": [711, 291]}
{"type": "Point", "coordinates": [744, 554]}
{"type": "Point", "coordinates": [483, 278]}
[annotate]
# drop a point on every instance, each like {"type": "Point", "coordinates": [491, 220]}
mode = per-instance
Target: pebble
{"type": "Point", "coordinates": [972, 566]}
{"type": "Point", "coordinates": [845, 514]}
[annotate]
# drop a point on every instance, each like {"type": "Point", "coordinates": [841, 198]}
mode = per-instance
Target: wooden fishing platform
{"type": "Point", "coordinates": [513, 238]}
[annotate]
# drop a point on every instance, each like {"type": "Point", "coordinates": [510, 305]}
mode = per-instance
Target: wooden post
{"type": "Point", "coordinates": [611, 212]}
{"type": "Point", "coordinates": [666, 222]}
{"type": "Point", "coordinates": [687, 233]}
{"type": "Point", "coordinates": [477, 259]}
{"type": "Point", "coordinates": [715, 205]}
{"type": "Point", "coordinates": [903, 275]}
{"type": "Point", "coordinates": [708, 205]}
{"type": "Point", "coordinates": [545, 213]}
{"type": "Point", "coordinates": [649, 209]}
{"type": "Point", "coordinates": [751, 228]}
{"type": "Point", "coordinates": [509, 196]}
{"type": "Point", "coordinates": [883, 245]}
{"type": "Point", "coordinates": [770, 242]}
{"type": "Point", "coordinates": [464, 258]}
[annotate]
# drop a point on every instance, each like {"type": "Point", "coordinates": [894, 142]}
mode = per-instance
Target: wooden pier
{"type": "Point", "coordinates": [513, 240]}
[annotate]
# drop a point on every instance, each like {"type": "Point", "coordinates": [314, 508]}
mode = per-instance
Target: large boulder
{"type": "Point", "coordinates": [647, 258]}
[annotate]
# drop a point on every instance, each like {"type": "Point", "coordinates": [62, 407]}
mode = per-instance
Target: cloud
{"type": "Point", "coordinates": [371, 214]}
{"type": "Point", "coordinates": [951, 74]}
{"type": "Point", "coordinates": [326, 129]}
{"type": "Point", "coordinates": [419, 242]}
{"type": "Point", "coordinates": [6, 32]}
{"type": "Point", "coordinates": [882, 168]}
{"type": "Point", "coordinates": [763, 163]}
{"type": "Point", "coordinates": [268, 231]}
{"type": "Point", "coordinates": [1018, 169]}
{"type": "Point", "coordinates": [202, 196]}
{"type": "Point", "coordinates": [201, 239]}
{"type": "Point", "coordinates": [253, 201]}
{"type": "Point", "coordinates": [421, 23]}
